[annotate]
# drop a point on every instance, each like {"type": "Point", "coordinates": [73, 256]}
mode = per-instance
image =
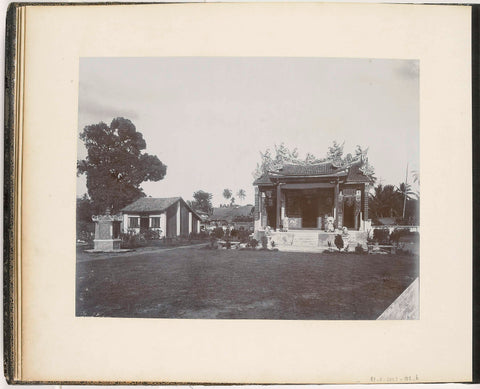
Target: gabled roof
{"type": "Point", "coordinates": [155, 204]}
{"type": "Point", "coordinates": [151, 204]}
{"type": "Point", "coordinates": [230, 213]}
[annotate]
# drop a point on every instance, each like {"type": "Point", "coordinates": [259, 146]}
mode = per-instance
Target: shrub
{"type": "Point", "coordinates": [213, 242]}
{"type": "Point", "coordinates": [381, 235]}
{"type": "Point", "coordinates": [243, 236]}
{"type": "Point", "coordinates": [218, 232]}
{"type": "Point", "coordinates": [359, 249]}
{"type": "Point", "coordinates": [202, 235]}
{"type": "Point", "coordinates": [85, 231]}
{"type": "Point", "coordinates": [264, 239]}
{"type": "Point", "coordinates": [151, 235]}
{"type": "Point", "coordinates": [400, 233]}
{"type": "Point", "coordinates": [338, 241]}
{"type": "Point", "coordinates": [132, 240]}
{"type": "Point", "coordinates": [252, 242]}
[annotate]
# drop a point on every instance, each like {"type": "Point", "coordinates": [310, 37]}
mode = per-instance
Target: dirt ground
{"type": "Point", "coordinates": [236, 284]}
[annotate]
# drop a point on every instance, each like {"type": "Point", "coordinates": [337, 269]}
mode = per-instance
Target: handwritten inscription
{"type": "Point", "coordinates": [408, 378]}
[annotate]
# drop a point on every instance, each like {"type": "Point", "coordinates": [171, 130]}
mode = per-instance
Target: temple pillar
{"type": "Point", "coordinates": [258, 209]}
{"type": "Point", "coordinates": [365, 201]}
{"type": "Point", "coordinates": [335, 202]}
{"type": "Point", "coordinates": [358, 208]}
{"type": "Point", "coordinates": [279, 207]}
{"type": "Point", "coordinates": [340, 210]}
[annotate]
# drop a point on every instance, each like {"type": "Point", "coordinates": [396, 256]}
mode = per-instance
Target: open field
{"type": "Point", "coordinates": [231, 284]}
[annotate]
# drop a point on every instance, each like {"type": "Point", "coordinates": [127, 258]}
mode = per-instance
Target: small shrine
{"type": "Point", "coordinates": [107, 232]}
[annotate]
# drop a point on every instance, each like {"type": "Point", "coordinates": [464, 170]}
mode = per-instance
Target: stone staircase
{"type": "Point", "coordinates": [314, 240]}
{"type": "Point", "coordinates": [306, 239]}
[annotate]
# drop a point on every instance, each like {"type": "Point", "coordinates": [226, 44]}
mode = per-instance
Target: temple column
{"type": "Point", "coordinates": [358, 207]}
{"type": "Point", "coordinates": [279, 207]}
{"type": "Point", "coordinates": [335, 202]}
{"type": "Point", "coordinates": [340, 210]}
{"type": "Point", "coordinates": [365, 201]}
{"type": "Point", "coordinates": [258, 209]}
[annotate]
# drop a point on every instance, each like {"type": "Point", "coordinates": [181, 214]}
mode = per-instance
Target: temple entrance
{"type": "Point", "coordinates": [271, 216]}
{"type": "Point", "coordinates": [349, 215]}
{"type": "Point", "coordinates": [309, 213]}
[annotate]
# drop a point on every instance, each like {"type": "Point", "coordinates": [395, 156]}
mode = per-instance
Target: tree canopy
{"type": "Point", "coordinates": [241, 194]}
{"type": "Point", "coordinates": [202, 201]}
{"type": "Point", "coordinates": [227, 193]}
{"type": "Point", "coordinates": [282, 155]}
{"type": "Point", "coordinates": [115, 165]}
{"type": "Point", "coordinates": [397, 202]}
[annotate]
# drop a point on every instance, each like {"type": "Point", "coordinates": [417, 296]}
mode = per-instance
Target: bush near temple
{"type": "Point", "coordinates": [381, 235]}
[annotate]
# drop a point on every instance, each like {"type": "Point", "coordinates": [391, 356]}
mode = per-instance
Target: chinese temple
{"type": "Point", "coordinates": [314, 197]}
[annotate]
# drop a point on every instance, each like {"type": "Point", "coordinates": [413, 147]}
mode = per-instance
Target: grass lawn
{"type": "Point", "coordinates": [233, 284]}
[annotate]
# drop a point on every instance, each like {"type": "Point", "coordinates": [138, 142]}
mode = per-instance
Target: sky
{"type": "Point", "coordinates": [208, 118]}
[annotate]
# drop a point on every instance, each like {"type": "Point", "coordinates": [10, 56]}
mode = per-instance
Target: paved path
{"type": "Point", "coordinates": [86, 257]}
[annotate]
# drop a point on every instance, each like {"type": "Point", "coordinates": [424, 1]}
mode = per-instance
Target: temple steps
{"type": "Point", "coordinates": [315, 241]}
{"type": "Point", "coordinates": [306, 239]}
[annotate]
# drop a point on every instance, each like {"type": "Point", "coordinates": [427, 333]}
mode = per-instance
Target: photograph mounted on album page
{"type": "Point", "coordinates": [230, 193]}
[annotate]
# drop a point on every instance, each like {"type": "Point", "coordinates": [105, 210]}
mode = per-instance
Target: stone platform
{"type": "Point", "coordinates": [315, 240]}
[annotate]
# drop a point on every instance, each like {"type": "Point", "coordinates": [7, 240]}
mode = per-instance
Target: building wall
{"type": "Point", "coordinates": [127, 228]}
{"type": "Point", "coordinates": [172, 221]}
{"type": "Point", "coordinates": [178, 220]}
{"type": "Point", "coordinates": [184, 220]}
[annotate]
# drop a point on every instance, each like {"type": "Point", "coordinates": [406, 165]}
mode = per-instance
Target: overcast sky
{"type": "Point", "coordinates": [208, 118]}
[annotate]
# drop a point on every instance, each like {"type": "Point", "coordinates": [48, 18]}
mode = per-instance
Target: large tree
{"type": "Point", "coordinates": [115, 165]}
{"type": "Point", "coordinates": [84, 217]}
{"type": "Point", "coordinates": [202, 201]}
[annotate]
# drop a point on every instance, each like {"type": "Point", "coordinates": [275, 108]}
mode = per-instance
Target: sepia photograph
{"type": "Point", "coordinates": [272, 188]}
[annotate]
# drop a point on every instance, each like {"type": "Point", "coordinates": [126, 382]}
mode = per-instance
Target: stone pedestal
{"type": "Point", "coordinates": [107, 232]}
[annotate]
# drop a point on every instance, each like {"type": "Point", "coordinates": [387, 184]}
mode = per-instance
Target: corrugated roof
{"type": "Point", "coordinates": [230, 213]}
{"type": "Point", "coordinates": [151, 204]}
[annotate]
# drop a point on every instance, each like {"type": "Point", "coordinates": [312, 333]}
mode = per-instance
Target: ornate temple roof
{"type": "Point", "coordinates": [352, 172]}
{"type": "Point", "coordinates": [319, 169]}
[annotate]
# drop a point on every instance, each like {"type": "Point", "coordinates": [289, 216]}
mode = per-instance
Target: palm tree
{"type": "Point", "coordinates": [405, 190]}
{"type": "Point", "coordinates": [241, 194]}
{"type": "Point", "coordinates": [385, 202]}
{"type": "Point", "coordinates": [227, 193]}
{"type": "Point", "coordinates": [416, 176]}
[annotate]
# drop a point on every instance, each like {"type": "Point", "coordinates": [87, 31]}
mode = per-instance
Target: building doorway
{"type": "Point", "coordinates": [349, 215]}
{"type": "Point", "coordinates": [309, 213]}
{"type": "Point", "coordinates": [144, 224]}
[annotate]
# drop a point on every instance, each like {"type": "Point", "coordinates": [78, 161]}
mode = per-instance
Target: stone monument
{"type": "Point", "coordinates": [107, 232]}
